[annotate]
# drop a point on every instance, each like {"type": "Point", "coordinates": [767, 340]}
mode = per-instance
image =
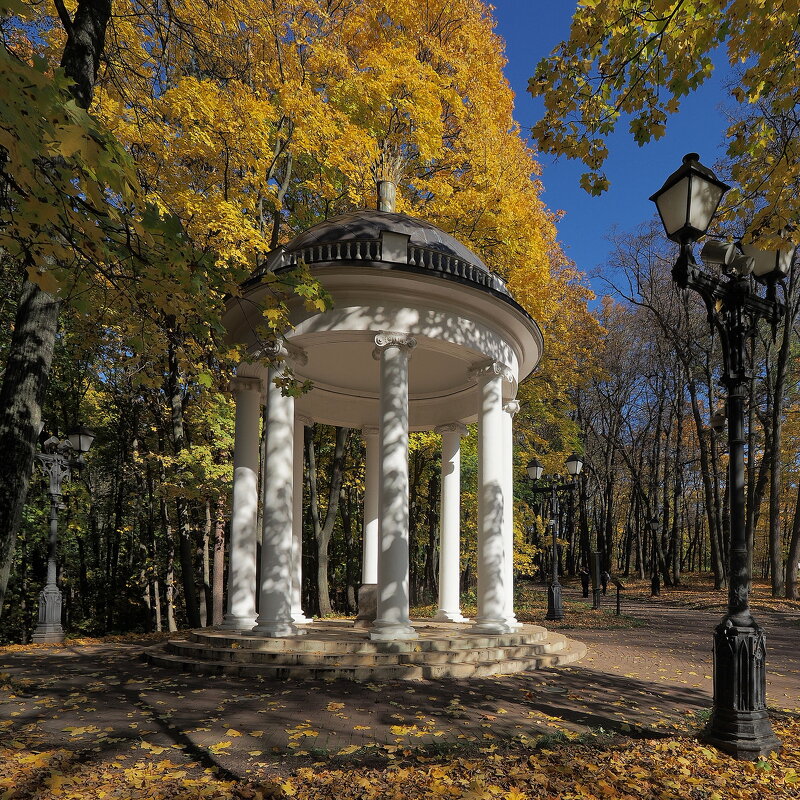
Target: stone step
{"type": "Point", "coordinates": [197, 650]}
{"type": "Point", "coordinates": [355, 641]}
{"type": "Point", "coordinates": [568, 652]}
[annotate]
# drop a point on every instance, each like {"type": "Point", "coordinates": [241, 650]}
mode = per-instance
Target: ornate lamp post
{"type": "Point", "coordinates": [555, 608]}
{"type": "Point", "coordinates": [655, 581]}
{"type": "Point", "coordinates": [57, 462]}
{"type": "Point", "coordinates": [687, 202]}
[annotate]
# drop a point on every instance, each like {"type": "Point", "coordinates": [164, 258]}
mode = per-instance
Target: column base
{"type": "Point", "coordinates": [391, 632]}
{"type": "Point", "coordinates": [233, 623]}
{"type": "Point", "coordinates": [299, 618]}
{"type": "Point", "coordinates": [449, 616]}
{"type": "Point", "coordinates": [491, 626]}
{"type": "Point", "coordinates": [513, 623]}
{"type": "Point", "coordinates": [276, 630]}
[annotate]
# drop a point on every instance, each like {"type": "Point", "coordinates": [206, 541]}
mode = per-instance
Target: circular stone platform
{"type": "Point", "coordinates": [335, 649]}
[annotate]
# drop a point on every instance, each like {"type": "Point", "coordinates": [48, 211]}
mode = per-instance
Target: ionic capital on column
{"type": "Point", "coordinates": [387, 339]}
{"type": "Point", "coordinates": [492, 369]}
{"type": "Point", "coordinates": [511, 408]}
{"type": "Point", "coordinates": [302, 419]}
{"type": "Point", "coordinates": [457, 427]}
{"type": "Point", "coordinates": [282, 351]}
{"type": "Point", "coordinates": [245, 383]}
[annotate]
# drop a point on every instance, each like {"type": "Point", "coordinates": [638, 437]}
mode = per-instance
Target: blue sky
{"type": "Point", "coordinates": [531, 29]}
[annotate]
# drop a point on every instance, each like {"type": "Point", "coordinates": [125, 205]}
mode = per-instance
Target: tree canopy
{"type": "Point", "coordinates": [217, 131]}
{"type": "Point", "coordinates": [635, 62]}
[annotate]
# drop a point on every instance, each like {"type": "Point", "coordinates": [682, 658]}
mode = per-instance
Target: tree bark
{"type": "Point", "coordinates": [218, 580]}
{"type": "Point", "coordinates": [21, 396]}
{"type": "Point", "coordinates": [205, 560]}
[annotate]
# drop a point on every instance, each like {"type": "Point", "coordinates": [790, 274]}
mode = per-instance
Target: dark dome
{"type": "Point", "coordinates": [368, 224]}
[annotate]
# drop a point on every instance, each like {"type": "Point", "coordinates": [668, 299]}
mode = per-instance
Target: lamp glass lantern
{"type": "Point", "coordinates": [769, 265]}
{"type": "Point", "coordinates": [535, 469]}
{"type": "Point", "coordinates": [81, 438]}
{"type": "Point", "coordinates": [574, 465]}
{"type": "Point", "coordinates": [688, 200]}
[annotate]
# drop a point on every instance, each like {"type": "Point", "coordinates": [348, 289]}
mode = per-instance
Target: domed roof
{"type": "Point", "coordinates": [369, 224]}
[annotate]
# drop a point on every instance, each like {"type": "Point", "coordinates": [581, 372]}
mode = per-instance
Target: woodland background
{"type": "Point", "coordinates": [216, 132]}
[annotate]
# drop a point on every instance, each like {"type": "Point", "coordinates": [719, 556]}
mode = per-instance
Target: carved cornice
{"type": "Point", "coordinates": [386, 339]}
{"type": "Point", "coordinates": [458, 427]}
{"type": "Point", "coordinates": [492, 369]}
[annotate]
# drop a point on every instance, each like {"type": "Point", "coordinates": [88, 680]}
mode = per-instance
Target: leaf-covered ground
{"type": "Point", "coordinates": [667, 769]}
{"type": "Point", "coordinates": [91, 720]}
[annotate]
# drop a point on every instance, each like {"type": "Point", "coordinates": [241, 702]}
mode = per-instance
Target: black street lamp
{"type": "Point", "coordinates": [555, 608]}
{"type": "Point", "coordinates": [687, 201]}
{"type": "Point", "coordinates": [655, 581]}
{"type": "Point", "coordinates": [57, 462]}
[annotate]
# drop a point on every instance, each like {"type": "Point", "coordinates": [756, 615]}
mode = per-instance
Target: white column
{"type": "Point", "coordinates": [372, 481]}
{"type": "Point", "coordinates": [298, 616]}
{"type": "Point", "coordinates": [450, 524]}
{"type": "Point", "coordinates": [491, 567]}
{"type": "Point", "coordinates": [241, 613]}
{"type": "Point", "coordinates": [392, 622]}
{"type": "Point", "coordinates": [510, 409]}
{"type": "Point", "coordinates": [275, 591]}
{"type": "Point", "coordinates": [368, 591]}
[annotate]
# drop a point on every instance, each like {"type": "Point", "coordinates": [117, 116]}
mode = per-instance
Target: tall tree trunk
{"type": "Point", "coordinates": [205, 561]}
{"type": "Point", "coordinates": [218, 582]}
{"type": "Point", "coordinates": [324, 529]}
{"type": "Point", "coordinates": [185, 548]}
{"type": "Point", "coordinates": [30, 354]}
{"type": "Point", "coordinates": [794, 554]}
{"type": "Point", "coordinates": [350, 578]}
{"type": "Point", "coordinates": [21, 396]}
{"type": "Point", "coordinates": [170, 581]}
{"type": "Point", "coordinates": [776, 463]}
{"type": "Point", "coordinates": [431, 560]}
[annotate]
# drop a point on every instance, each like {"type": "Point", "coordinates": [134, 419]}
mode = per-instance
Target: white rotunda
{"type": "Point", "coordinates": [421, 336]}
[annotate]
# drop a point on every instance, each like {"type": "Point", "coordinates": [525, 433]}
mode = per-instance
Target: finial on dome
{"type": "Point", "coordinates": [387, 170]}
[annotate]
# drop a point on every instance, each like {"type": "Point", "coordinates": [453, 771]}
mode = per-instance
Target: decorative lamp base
{"type": "Point", "coordinates": [555, 609]}
{"type": "Point", "coordinates": [49, 628]}
{"type": "Point", "coordinates": [739, 723]}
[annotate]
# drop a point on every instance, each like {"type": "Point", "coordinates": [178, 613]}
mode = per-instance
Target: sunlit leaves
{"type": "Point", "coordinates": [636, 61]}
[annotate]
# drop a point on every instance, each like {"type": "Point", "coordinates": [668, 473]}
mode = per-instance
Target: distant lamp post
{"type": "Point", "coordinates": [687, 202]}
{"type": "Point", "coordinates": [574, 464]}
{"type": "Point", "coordinates": [655, 581]}
{"type": "Point", "coordinates": [57, 462]}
